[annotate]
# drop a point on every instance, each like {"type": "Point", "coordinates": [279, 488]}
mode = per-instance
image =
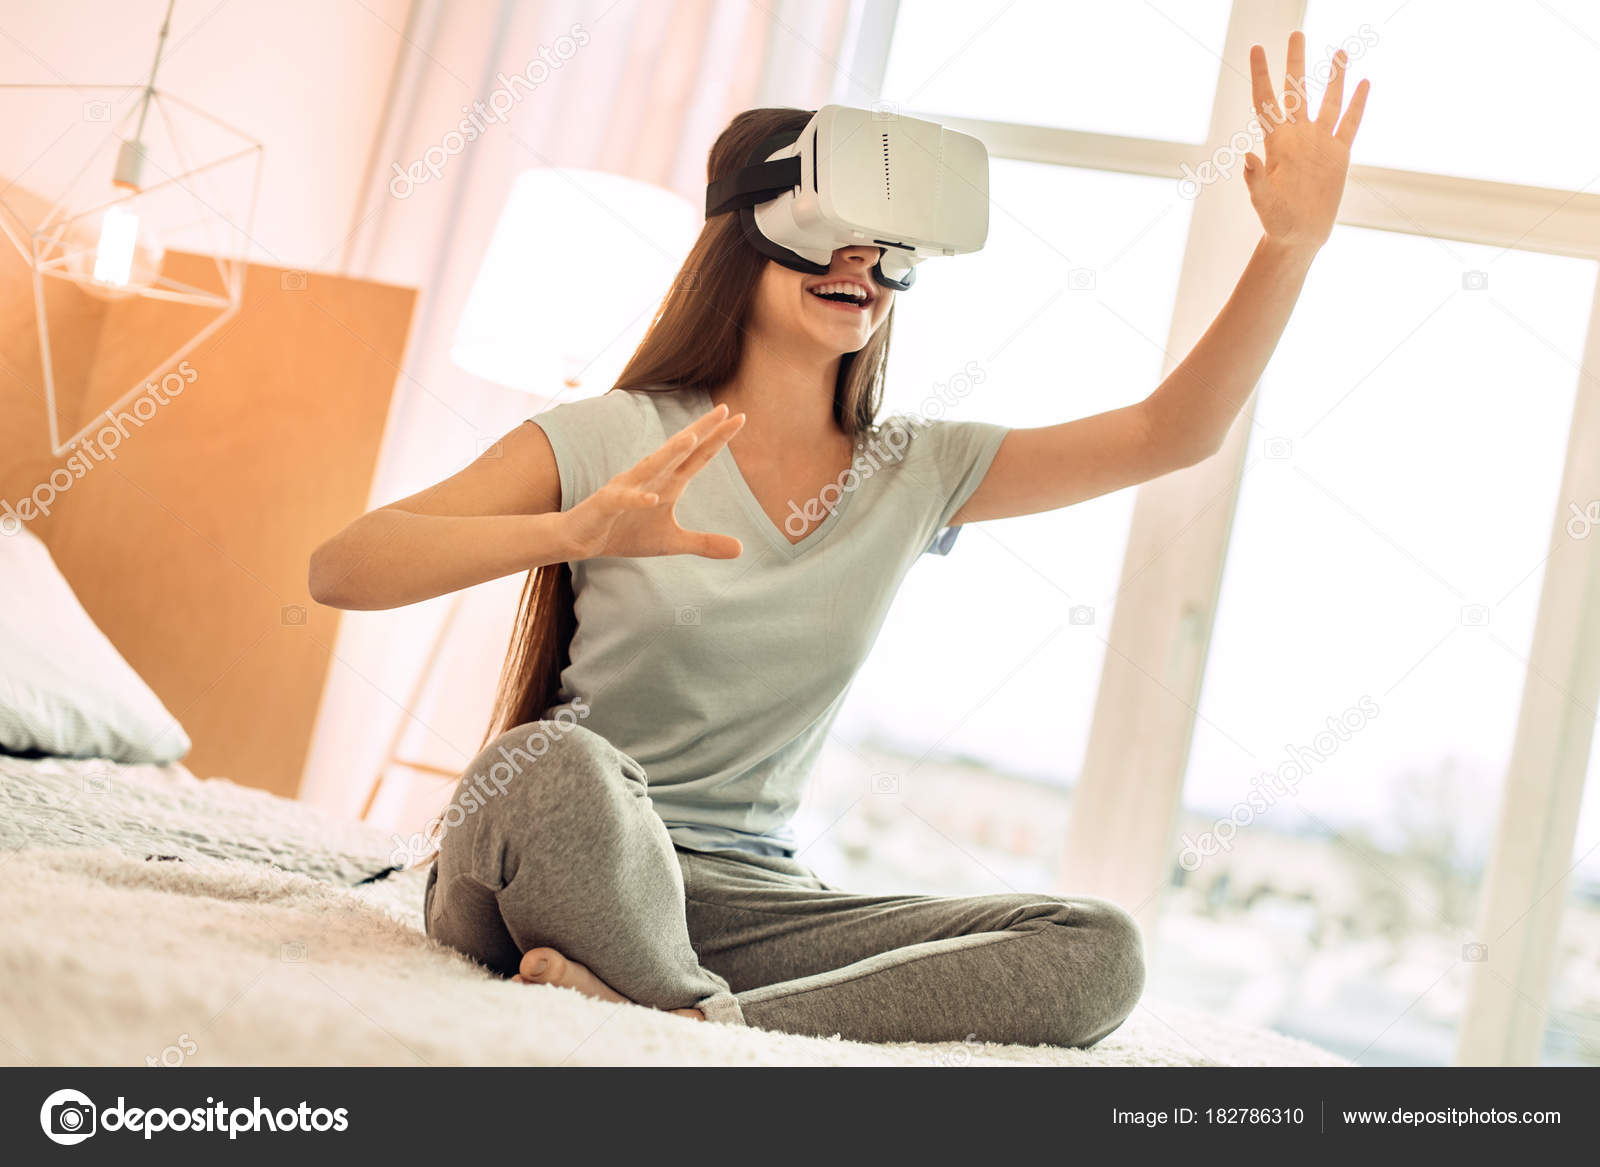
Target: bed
{"type": "Point", "coordinates": [153, 918]}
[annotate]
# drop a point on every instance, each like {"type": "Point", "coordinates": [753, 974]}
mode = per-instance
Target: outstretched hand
{"type": "Point", "coordinates": [1296, 188]}
{"type": "Point", "coordinates": [632, 515]}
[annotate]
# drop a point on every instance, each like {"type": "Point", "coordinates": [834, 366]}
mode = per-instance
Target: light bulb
{"type": "Point", "coordinates": [113, 258]}
{"type": "Point", "coordinates": [114, 254]}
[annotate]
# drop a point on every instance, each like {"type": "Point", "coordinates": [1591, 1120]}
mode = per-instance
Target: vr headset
{"type": "Point", "coordinates": [856, 176]}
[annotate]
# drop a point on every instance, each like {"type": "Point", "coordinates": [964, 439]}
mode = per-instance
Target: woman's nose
{"type": "Point", "coordinates": [860, 254]}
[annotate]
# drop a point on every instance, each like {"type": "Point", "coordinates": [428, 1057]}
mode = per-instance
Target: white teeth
{"type": "Point", "coordinates": [855, 290]}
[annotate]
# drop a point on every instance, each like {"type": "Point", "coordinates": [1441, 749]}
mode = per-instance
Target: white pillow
{"type": "Point", "coordinates": [64, 689]}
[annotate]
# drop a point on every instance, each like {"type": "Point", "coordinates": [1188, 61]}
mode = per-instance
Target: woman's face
{"type": "Point", "coordinates": [788, 303]}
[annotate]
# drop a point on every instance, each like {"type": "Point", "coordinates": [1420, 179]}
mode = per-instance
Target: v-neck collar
{"type": "Point", "coordinates": [752, 505]}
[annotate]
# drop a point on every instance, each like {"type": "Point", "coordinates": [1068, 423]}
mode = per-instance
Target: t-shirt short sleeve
{"type": "Point", "coordinates": [594, 439]}
{"type": "Point", "coordinates": [960, 453]}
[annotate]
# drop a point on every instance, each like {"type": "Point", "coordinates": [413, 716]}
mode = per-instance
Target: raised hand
{"type": "Point", "coordinates": [1296, 188]}
{"type": "Point", "coordinates": [632, 515]}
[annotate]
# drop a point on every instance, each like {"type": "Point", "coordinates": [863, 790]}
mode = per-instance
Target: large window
{"type": "Point", "coordinates": [1373, 589]}
{"type": "Point", "coordinates": [1383, 575]}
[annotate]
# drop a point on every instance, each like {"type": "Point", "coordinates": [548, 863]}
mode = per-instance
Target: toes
{"type": "Point", "coordinates": [541, 966]}
{"type": "Point", "coordinates": [546, 966]}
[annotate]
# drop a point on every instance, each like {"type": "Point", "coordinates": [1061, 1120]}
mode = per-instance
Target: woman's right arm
{"type": "Point", "coordinates": [502, 515]}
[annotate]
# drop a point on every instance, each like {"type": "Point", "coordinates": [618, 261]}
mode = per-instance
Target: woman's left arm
{"type": "Point", "coordinates": [1295, 191]}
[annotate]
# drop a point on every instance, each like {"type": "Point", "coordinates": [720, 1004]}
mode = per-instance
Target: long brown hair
{"type": "Point", "coordinates": [696, 340]}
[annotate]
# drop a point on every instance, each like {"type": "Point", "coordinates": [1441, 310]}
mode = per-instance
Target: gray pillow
{"type": "Point", "coordinates": [64, 688]}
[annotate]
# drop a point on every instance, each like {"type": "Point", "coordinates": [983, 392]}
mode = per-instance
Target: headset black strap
{"type": "Point", "coordinates": [751, 185]}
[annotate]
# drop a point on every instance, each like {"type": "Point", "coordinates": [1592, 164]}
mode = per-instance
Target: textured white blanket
{"type": "Point", "coordinates": [223, 956]}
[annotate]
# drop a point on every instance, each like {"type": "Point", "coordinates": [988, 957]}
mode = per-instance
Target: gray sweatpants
{"type": "Point", "coordinates": [560, 847]}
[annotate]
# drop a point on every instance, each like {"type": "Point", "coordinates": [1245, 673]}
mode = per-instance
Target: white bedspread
{"type": "Point", "coordinates": [149, 917]}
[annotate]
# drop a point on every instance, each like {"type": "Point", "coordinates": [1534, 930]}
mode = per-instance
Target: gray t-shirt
{"type": "Point", "coordinates": [721, 677]}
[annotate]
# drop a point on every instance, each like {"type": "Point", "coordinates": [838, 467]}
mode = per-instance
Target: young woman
{"type": "Point", "coordinates": [701, 592]}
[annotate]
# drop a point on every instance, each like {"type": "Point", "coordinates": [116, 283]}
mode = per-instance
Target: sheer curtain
{"type": "Point", "coordinates": [634, 87]}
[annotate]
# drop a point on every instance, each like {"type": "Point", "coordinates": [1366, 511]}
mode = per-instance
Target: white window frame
{"type": "Point", "coordinates": [1126, 804]}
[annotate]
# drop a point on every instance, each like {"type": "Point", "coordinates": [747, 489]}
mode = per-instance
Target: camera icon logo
{"type": "Point", "coordinates": [883, 111]}
{"type": "Point", "coordinates": [1278, 449]}
{"type": "Point", "coordinates": [1474, 281]}
{"type": "Point", "coordinates": [1475, 952]}
{"type": "Point", "coordinates": [97, 111]}
{"type": "Point", "coordinates": [1081, 279]}
{"type": "Point", "coordinates": [67, 1117]}
{"type": "Point", "coordinates": [686, 614]}
{"type": "Point", "coordinates": [293, 616]}
{"type": "Point", "coordinates": [292, 952]}
{"type": "Point", "coordinates": [292, 281]}
{"type": "Point", "coordinates": [1080, 614]}
{"type": "Point", "coordinates": [1475, 616]}
{"type": "Point", "coordinates": [885, 784]}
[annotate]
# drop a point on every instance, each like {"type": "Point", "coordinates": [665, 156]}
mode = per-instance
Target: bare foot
{"type": "Point", "coordinates": [546, 966]}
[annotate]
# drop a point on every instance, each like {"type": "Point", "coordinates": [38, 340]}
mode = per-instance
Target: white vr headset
{"type": "Point", "coordinates": [856, 176]}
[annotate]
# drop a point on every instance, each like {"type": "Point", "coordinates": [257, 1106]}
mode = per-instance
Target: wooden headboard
{"type": "Point", "coordinates": [189, 547]}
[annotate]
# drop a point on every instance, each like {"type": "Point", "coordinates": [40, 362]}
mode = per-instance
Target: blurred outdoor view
{"type": "Point", "coordinates": [1376, 613]}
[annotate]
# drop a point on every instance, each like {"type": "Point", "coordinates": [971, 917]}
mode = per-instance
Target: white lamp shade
{"type": "Point", "coordinates": [577, 266]}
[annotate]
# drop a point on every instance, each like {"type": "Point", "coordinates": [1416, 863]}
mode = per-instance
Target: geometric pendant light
{"type": "Point", "coordinates": [125, 223]}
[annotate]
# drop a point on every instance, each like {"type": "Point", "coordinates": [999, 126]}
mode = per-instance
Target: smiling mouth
{"type": "Point", "coordinates": [844, 301]}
